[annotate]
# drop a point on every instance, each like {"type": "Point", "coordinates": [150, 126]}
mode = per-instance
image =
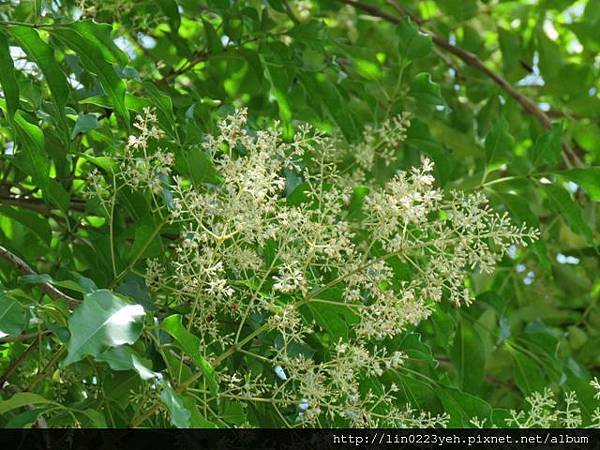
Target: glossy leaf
{"type": "Point", "coordinates": [84, 124]}
{"type": "Point", "coordinates": [180, 416]}
{"type": "Point", "coordinates": [468, 358]}
{"type": "Point", "coordinates": [102, 321]}
{"type": "Point", "coordinates": [413, 43]}
{"type": "Point", "coordinates": [43, 55]}
{"type": "Point", "coordinates": [125, 358]}
{"type": "Point", "coordinates": [190, 344]}
{"type": "Point", "coordinates": [498, 143]}
{"type": "Point", "coordinates": [23, 399]}
{"type": "Point", "coordinates": [96, 58]}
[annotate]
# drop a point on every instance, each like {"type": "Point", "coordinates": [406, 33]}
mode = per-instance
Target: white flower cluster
{"type": "Point", "coordinates": [333, 387]}
{"type": "Point", "coordinates": [141, 167]}
{"type": "Point", "coordinates": [543, 410]}
{"type": "Point", "coordinates": [379, 142]}
{"type": "Point", "coordinates": [283, 244]}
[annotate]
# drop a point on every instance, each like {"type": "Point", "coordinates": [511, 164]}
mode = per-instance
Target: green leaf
{"type": "Point", "coordinates": [550, 57]}
{"type": "Point", "coordinates": [180, 416]}
{"type": "Point", "coordinates": [498, 143]}
{"type": "Point", "coordinates": [22, 399]}
{"type": "Point", "coordinates": [588, 178]}
{"type": "Point", "coordinates": [101, 322]}
{"type": "Point", "coordinates": [233, 412]}
{"type": "Point", "coordinates": [278, 80]}
{"type": "Point", "coordinates": [332, 318]}
{"type": "Point", "coordinates": [124, 357]}
{"type": "Point", "coordinates": [561, 202]}
{"type": "Point", "coordinates": [519, 209]}
{"type": "Point", "coordinates": [100, 35]}
{"type": "Point", "coordinates": [510, 46]}
{"type": "Point", "coordinates": [134, 286]}
{"type": "Point", "coordinates": [413, 346]}
{"type": "Point", "coordinates": [578, 380]}
{"type": "Point", "coordinates": [163, 104]}
{"type": "Point", "coordinates": [31, 158]}
{"type": "Point", "coordinates": [425, 91]}
{"type": "Point", "coordinates": [34, 221]}
{"type": "Point", "coordinates": [98, 59]}
{"type": "Point", "coordinates": [119, 385]}
{"type": "Point", "coordinates": [190, 345]}
{"type": "Point", "coordinates": [37, 278]}
{"type": "Point", "coordinates": [8, 79]}
{"type": "Point", "coordinates": [462, 407]}
{"type": "Point", "coordinates": [413, 43]}
{"type": "Point", "coordinates": [12, 315]}
{"type": "Point", "coordinates": [43, 55]}
{"type": "Point", "coordinates": [592, 11]}
{"type": "Point", "coordinates": [26, 418]}
{"type": "Point", "coordinates": [547, 148]}
{"type": "Point", "coordinates": [85, 123]}
{"type": "Point", "coordinates": [326, 96]}
{"type": "Point", "coordinates": [356, 203]}
{"type": "Point", "coordinates": [82, 285]}
{"type": "Point", "coordinates": [368, 69]}
{"type": "Point", "coordinates": [462, 144]}
{"type": "Point", "coordinates": [197, 420]}
{"type": "Point", "coordinates": [57, 194]}
{"type": "Point", "coordinates": [213, 43]}
{"type": "Point", "coordinates": [196, 164]}
{"type": "Point", "coordinates": [170, 9]}
{"type": "Point", "coordinates": [97, 419]}
{"type": "Point", "coordinates": [459, 9]}
{"type": "Point", "coordinates": [468, 358]}
{"type": "Point", "coordinates": [312, 33]}
{"type": "Point", "coordinates": [529, 376]}
{"type": "Point", "coordinates": [146, 242]}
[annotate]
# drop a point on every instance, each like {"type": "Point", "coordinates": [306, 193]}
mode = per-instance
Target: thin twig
{"type": "Point", "coordinates": [22, 267]}
{"type": "Point", "coordinates": [22, 337]}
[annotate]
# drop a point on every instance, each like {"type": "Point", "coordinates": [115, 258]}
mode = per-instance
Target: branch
{"type": "Point", "coordinates": [528, 105]}
{"type": "Point", "coordinates": [22, 267]}
{"type": "Point", "coordinates": [35, 204]}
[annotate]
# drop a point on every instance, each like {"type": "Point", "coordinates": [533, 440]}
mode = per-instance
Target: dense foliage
{"type": "Point", "coordinates": [299, 213]}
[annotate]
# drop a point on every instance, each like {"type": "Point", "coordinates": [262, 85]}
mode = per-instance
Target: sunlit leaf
{"type": "Point", "coordinates": [102, 321]}
{"type": "Point", "coordinates": [180, 416]}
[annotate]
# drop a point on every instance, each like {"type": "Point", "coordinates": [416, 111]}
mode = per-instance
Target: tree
{"type": "Point", "coordinates": [333, 213]}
